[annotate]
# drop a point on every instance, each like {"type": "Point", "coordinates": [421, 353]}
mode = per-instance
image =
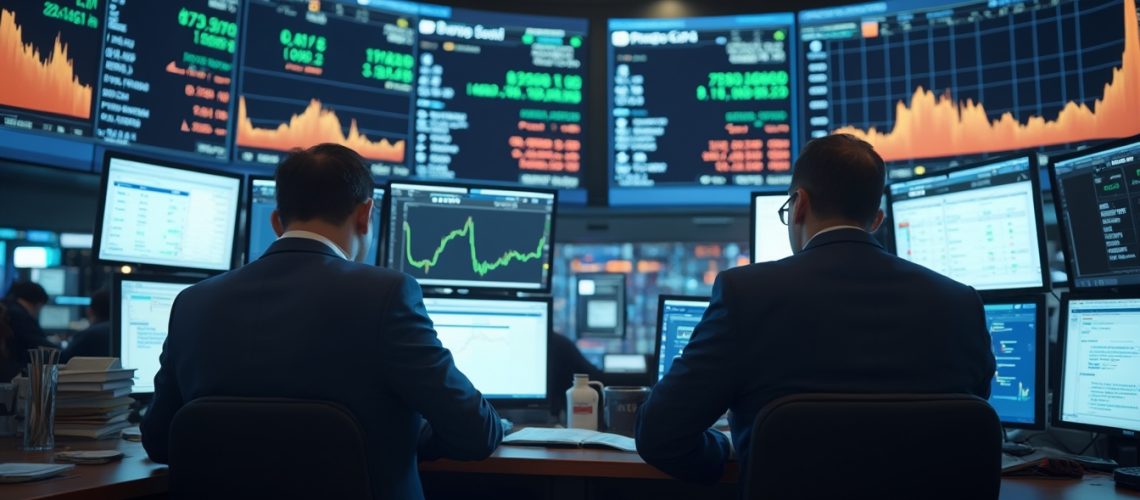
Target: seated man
{"type": "Point", "coordinates": [23, 302]}
{"type": "Point", "coordinates": [308, 320]}
{"type": "Point", "coordinates": [841, 316]}
{"type": "Point", "coordinates": [96, 339]}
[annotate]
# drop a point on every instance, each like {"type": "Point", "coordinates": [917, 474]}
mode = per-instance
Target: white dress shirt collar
{"type": "Point", "coordinates": [830, 229]}
{"type": "Point", "coordinates": [309, 235]}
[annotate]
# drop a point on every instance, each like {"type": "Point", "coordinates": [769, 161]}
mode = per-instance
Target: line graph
{"type": "Point", "coordinates": [35, 82]}
{"type": "Point", "coordinates": [966, 81]}
{"type": "Point", "coordinates": [314, 125]}
{"type": "Point", "coordinates": [480, 267]}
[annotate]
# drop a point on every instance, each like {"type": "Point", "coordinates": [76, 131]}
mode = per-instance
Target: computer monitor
{"type": "Point", "coordinates": [677, 317]}
{"type": "Point", "coordinates": [500, 344]}
{"type": "Point", "coordinates": [56, 317]}
{"type": "Point", "coordinates": [624, 363]}
{"type": "Point", "coordinates": [1100, 362]}
{"type": "Point", "coordinates": [1097, 195]}
{"type": "Point", "coordinates": [980, 224]}
{"type": "Point", "coordinates": [463, 236]}
{"type": "Point", "coordinates": [140, 316]}
{"type": "Point", "coordinates": [1017, 332]}
{"type": "Point", "coordinates": [262, 201]}
{"type": "Point", "coordinates": [166, 215]}
{"type": "Point", "coordinates": [769, 236]}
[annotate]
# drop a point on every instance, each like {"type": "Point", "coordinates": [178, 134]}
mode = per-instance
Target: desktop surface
{"type": "Point", "coordinates": [677, 319]}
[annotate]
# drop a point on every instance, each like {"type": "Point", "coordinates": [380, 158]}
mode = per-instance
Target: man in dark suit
{"type": "Point", "coordinates": [24, 301]}
{"type": "Point", "coordinates": [841, 315]}
{"type": "Point", "coordinates": [306, 321]}
{"type": "Point", "coordinates": [96, 339]}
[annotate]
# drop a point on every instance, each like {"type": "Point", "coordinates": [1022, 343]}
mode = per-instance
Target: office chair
{"type": "Point", "coordinates": [223, 447]}
{"type": "Point", "coordinates": [875, 446]}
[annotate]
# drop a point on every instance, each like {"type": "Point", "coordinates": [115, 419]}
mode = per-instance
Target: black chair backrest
{"type": "Point", "coordinates": [875, 446]}
{"type": "Point", "coordinates": [266, 448]}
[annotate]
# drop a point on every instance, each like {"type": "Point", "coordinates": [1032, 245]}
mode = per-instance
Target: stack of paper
{"type": "Point", "coordinates": [93, 398]}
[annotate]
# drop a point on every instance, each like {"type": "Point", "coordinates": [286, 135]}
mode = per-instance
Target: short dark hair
{"type": "Point", "coordinates": [101, 304]}
{"type": "Point", "coordinates": [28, 291]}
{"type": "Point", "coordinates": [325, 182]}
{"type": "Point", "coordinates": [844, 176]}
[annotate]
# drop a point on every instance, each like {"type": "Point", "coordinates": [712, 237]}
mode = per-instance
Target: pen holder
{"type": "Point", "coordinates": [39, 412]}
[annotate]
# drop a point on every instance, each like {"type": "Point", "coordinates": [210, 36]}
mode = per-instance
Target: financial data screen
{"type": "Point", "coordinates": [167, 216]}
{"type": "Point", "coordinates": [700, 102]}
{"type": "Point", "coordinates": [932, 83]}
{"type": "Point", "coordinates": [499, 344]}
{"type": "Point", "coordinates": [263, 201]}
{"type": "Point", "coordinates": [500, 98]}
{"type": "Point", "coordinates": [142, 325]}
{"type": "Point", "coordinates": [453, 236]}
{"type": "Point", "coordinates": [1098, 195]}
{"type": "Point", "coordinates": [678, 320]}
{"type": "Point", "coordinates": [770, 239]}
{"type": "Point", "coordinates": [1013, 333]}
{"type": "Point", "coordinates": [978, 226]}
{"type": "Point", "coordinates": [1101, 372]}
{"type": "Point", "coordinates": [167, 75]}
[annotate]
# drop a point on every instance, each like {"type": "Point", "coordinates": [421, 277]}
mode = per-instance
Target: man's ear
{"type": "Point", "coordinates": [879, 216]}
{"type": "Point", "coordinates": [275, 220]}
{"type": "Point", "coordinates": [363, 217]}
{"type": "Point", "coordinates": [802, 206]}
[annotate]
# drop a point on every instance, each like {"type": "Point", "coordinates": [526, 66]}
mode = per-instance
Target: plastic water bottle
{"type": "Point", "coordinates": [582, 403]}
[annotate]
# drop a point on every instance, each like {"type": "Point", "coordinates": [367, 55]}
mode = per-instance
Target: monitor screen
{"type": "Point", "coordinates": [140, 320]}
{"type": "Point", "coordinates": [501, 345]}
{"type": "Point", "coordinates": [700, 109]}
{"type": "Point", "coordinates": [624, 363]}
{"type": "Point", "coordinates": [501, 98]}
{"type": "Point", "coordinates": [770, 240]}
{"type": "Point", "coordinates": [1100, 378]}
{"type": "Point", "coordinates": [54, 317]}
{"type": "Point", "coordinates": [262, 203]}
{"type": "Point", "coordinates": [157, 214]}
{"type": "Point", "coordinates": [1015, 329]}
{"type": "Point", "coordinates": [1097, 194]}
{"type": "Point", "coordinates": [980, 225]}
{"type": "Point", "coordinates": [471, 237]}
{"type": "Point", "coordinates": [935, 83]}
{"type": "Point", "coordinates": [677, 317]}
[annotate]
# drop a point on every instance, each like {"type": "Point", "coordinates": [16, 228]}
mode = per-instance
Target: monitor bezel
{"type": "Point", "coordinates": [1062, 336]}
{"type": "Point", "coordinates": [248, 234]}
{"type": "Point", "coordinates": [1041, 338]}
{"type": "Point", "coordinates": [514, 403]}
{"type": "Point", "coordinates": [654, 369]}
{"type": "Point", "coordinates": [752, 246]}
{"type": "Point", "coordinates": [549, 261]}
{"type": "Point", "coordinates": [1062, 226]}
{"type": "Point", "coordinates": [1039, 219]}
{"type": "Point", "coordinates": [117, 280]}
{"type": "Point", "coordinates": [104, 176]}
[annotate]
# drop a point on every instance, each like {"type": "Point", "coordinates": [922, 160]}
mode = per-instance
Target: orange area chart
{"type": "Point", "coordinates": [32, 83]}
{"type": "Point", "coordinates": [314, 125]}
{"type": "Point", "coordinates": [937, 126]}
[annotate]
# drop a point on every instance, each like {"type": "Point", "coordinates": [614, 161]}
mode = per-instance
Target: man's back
{"type": "Point", "coordinates": [841, 316]}
{"type": "Point", "coordinates": [302, 322]}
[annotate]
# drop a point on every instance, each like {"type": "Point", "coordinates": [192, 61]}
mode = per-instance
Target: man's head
{"type": "Point", "coordinates": [100, 308]}
{"type": "Point", "coordinates": [31, 296]}
{"type": "Point", "coordinates": [326, 189]}
{"type": "Point", "coordinates": [837, 181]}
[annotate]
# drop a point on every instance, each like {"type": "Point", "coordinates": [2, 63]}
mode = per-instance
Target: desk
{"type": "Point", "coordinates": [561, 473]}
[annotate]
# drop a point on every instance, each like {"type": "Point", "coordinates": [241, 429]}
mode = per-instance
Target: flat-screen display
{"type": "Point", "coordinates": [770, 240]}
{"type": "Point", "coordinates": [701, 110]}
{"type": "Point", "coordinates": [677, 318]}
{"type": "Point", "coordinates": [980, 225]}
{"type": "Point", "coordinates": [1100, 377]}
{"type": "Point", "coordinates": [500, 344]}
{"type": "Point", "coordinates": [140, 320]}
{"type": "Point", "coordinates": [262, 203]}
{"type": "Point", "coordinates": [160, 214]}
{"type": "Point", "coordinates": [934, 83]}
{"type": "Point", "coordinates": [471, 237]}
{"type": "Point", "coordinates": [1017, 334]}
{"type": "Point", "coordinates": [1097, 195]}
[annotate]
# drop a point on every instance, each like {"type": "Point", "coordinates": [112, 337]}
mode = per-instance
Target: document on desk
{"type": "Point", "coordinates": [19, 473]}
{"type": "Point", "coordinates": [579, 438]}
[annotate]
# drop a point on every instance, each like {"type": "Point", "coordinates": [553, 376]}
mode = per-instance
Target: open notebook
{"type": "Point", "coordinates": [579, 438]}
